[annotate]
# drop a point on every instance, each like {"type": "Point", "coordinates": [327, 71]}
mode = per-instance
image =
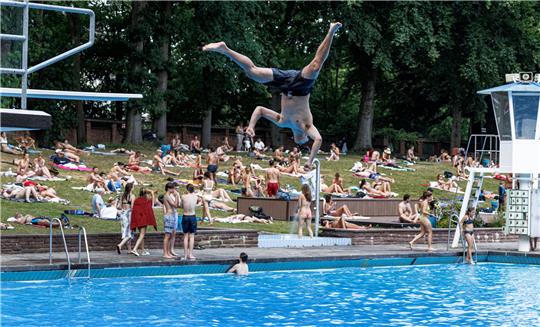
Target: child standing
{"type": "Point", "coordinates": [171, 201]}
{"type": "Point", "coordinates": [142, 216]}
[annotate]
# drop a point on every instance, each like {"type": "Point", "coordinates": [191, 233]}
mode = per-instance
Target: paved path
{"type": "Point", "coordinates": [111, 258]}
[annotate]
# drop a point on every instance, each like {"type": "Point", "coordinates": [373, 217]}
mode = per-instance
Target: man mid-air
{"type": "Point", "coordinates": [295, 86]}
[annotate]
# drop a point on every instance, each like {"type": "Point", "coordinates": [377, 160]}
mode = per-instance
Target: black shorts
{"type": "Point", "coordinates": [189, 224]}
{"type": "Point", "coordinates": [290, 82]}
{"type": "Point", "coordinates": [212, 168]}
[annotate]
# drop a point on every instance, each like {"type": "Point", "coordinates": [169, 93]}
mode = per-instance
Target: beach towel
{"type": "Point", "coordinates": [72, 166]}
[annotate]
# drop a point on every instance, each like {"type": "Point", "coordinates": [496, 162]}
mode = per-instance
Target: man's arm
{"type": "Point", "coordinates": [233, 269]}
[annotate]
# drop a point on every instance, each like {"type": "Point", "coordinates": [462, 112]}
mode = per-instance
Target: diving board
{"type": "Point", "coordinates": [68, 95]}
{"type": "Point", "coordinates": [23, 120]}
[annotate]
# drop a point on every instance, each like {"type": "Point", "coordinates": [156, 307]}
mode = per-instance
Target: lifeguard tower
{"type": "Point", "coordinates": [517, 114]}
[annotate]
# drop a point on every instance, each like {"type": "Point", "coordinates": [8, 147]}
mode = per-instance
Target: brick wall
{"type": "Point", "coordinates": [402, 236]}
{"type": "Point", "coordinates": [208, 238]}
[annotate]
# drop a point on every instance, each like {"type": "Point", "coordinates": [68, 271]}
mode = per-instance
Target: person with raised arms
{"type": "Point", "coordinates": [295, 86]}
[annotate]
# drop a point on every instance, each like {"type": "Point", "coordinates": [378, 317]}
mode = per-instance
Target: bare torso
{"type": "Point", "coordinates": [272, 175]}
{"type": "Point", "coordinates": [295, 113]}
{"type": "Point", "coordinates": [189, 201]}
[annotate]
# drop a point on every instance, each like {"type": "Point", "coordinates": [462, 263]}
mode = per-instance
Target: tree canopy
{"type": "Point", "coordinates": [397, 69]}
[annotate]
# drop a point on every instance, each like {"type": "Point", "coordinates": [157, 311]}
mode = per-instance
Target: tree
{"type": "Point", "coordinates": [137, 36]}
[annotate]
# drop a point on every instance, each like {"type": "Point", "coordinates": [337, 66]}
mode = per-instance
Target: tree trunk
{"type": "Point", "coordinates": [275, 131]}
{"type": "Point", "coordinates": [75, 27]}
{"type": "Point", "coordinates": [133, 116]}
{"type": "Point", "coordinates": [163, 74]}
{"type": "Point", "coordinates": [364, 131]}
{"type": "Point", "coordinates": [207, 129]}
{"type": "Point", "coordinates": [455, 139]}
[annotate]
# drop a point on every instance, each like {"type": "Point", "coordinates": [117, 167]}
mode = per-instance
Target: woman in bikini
{"type": "Point", "coordinates": [4, 145]}
{"type": "Point", "coordinates": [304, 210]}
{"type": "Point", "coordinates": [211, 194]}
{"type": "Point", "coordinates": [40, 167]}
{"type": "Point", "coordinates": [23, 167]}
{"type": "Point", "coordinates": [425, 225]}
{"type": "Point", "coordinates": [331, 210]}
{"type": "Point", "coordinates": [467, 226]}
{"type": "Point", "coordinates": [364, 185]}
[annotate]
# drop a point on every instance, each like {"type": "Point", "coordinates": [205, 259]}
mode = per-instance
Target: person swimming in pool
{"type": "Point", "coordinates": [296, 85]}
{"type": "Point", "coordinates": [241, 268]}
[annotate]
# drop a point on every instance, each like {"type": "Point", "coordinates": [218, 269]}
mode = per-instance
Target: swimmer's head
{"type": "Point", "coordinates": [243, 257]}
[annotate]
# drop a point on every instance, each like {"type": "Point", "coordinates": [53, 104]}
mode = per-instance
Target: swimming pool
{"type": "Point", "coordinates": [483, 294]}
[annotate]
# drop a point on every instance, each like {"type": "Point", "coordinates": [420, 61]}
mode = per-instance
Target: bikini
{"type": "Point", "coordinates": [469, 221]}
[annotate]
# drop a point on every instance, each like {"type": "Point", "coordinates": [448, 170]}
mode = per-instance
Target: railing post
{"type": "Point", "coordinates": [317, 164]}
{"type": "Point", "coordinates": [24, 79]}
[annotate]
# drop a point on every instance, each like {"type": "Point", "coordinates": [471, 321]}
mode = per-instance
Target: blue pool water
{"type": "Point", "coordinates": [434, 295]}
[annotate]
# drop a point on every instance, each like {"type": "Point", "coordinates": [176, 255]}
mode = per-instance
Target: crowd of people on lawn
{"type": "Point", "coordinates": [201, 188]}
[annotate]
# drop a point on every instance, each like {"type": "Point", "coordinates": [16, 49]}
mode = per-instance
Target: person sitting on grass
{"type": "Point", "coordinates": [159, 166]}
{"type": "Point", "coordinates": [278, 156]}
{"type": "Point", "coordinates": [446, 185]}
{"type": "Point", "coordinates": [241, 268]}
{"type": "Point", "coordinates": [4, 147]}
{"type": "Point", "coordinates": [334, 153]}
{"type": "Point", "coordinates": [40, 167]}
{"type": "Point", "coordinates": [95, 180]}
{"type": "Point", "coordinates": [406, 214]}
{"type": "Point", "coordinates": [134, 163]}
{"type": "Point", "coordinates": [195, 145]}
{"type": "Point", "coordinates": [26, 142]}
{"type": "Point", "coordinates": [332, 189]}
{"type": "Point", "coordinates": [225, 144]}
{"type": "Point", "coordinates": [410, 155]}
{"type": "Point", "coordinates": [210, 193]}
{"type": "Point", "coordinates": [235, 174]}
{"type": "Point", "coordinates": [220, 152]}
{"type": "Point", "coordinates": [293, 168]}
{"type": "Point", "coordinates": [23, 167]}
{"type": "Point", "coordinates": [372, 192]}
{"type": "Point", "coordinates": [331, 209]}
{"type": "Point", "coordinates": [341, 223]}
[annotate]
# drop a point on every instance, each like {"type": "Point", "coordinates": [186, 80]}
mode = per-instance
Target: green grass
{"type": "Point", "coordinates": [406, 182]}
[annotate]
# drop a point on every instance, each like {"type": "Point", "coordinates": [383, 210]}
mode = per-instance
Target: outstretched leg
{"type": "Point", "coordinates": [312, 70]}
{"type": "Point", "coordinates": [258, 74]}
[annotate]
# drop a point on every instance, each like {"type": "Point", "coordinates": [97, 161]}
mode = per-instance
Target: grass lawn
{"type": "Point", "coordinates": [406, 182]}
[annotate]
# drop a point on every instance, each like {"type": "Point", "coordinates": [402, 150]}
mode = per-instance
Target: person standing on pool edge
{"type": "Point", "coordinates": [296, 85]}
{"type": "Point", "coordinates": [189, 221]}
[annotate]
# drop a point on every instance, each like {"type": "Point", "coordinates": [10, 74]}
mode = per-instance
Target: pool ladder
{"type": "Point", "coordinates": [82, 231]}
{"type": "Point", "coordinates": [63, 239]}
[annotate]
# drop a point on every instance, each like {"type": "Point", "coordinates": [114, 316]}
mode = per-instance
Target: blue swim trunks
{"type": "Point", "coordinates": [189, 224]}
{"type": "Point", "coordinates": [170, 222]}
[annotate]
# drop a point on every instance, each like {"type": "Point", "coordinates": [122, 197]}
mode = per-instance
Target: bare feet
{"type": "Point", "coordinates": [191, 258]}
{"type": "Point", "coordinates": [216, 47]}
{"type": "Point", "coordinates": [430, 249]}
{"type": "Point", "coordinates": [411, 245]}
{"type": "Point", "coordinates": [168, 256]}
{"type": "Point", "coordinates": [334, 27]}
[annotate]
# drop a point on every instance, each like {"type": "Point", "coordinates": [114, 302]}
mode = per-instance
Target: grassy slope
{"type": "Point", "coordinates": [406, 182]}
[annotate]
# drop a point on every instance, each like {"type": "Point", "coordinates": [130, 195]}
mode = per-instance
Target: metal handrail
{"type": "Point", "coordinates": [317, 164]}
{"type": "Point", "coordinates": [40, 6]}
{"type": "Point", "coordinates": [63, 238]}
{"type": "Point", "coordinates": [453, 218]}
{"type": "Point", "coordinates": [83, 230]}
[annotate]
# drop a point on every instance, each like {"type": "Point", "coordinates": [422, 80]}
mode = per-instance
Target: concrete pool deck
{"type": "Point", "coordinates": [110, 259]}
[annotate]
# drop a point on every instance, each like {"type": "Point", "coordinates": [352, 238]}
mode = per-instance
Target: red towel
{"type": "Point", "coordinates": [142, 214]}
